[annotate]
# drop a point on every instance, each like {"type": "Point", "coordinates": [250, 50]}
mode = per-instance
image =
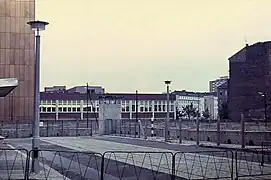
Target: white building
{"type": "Point", "coordinates": [211, 102]}
{"type": "Point", "coordinates": [200, 101]}
{"type": "Point", "coordinates": [184, 98]}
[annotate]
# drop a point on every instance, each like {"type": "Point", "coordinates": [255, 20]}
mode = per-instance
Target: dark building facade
{"type": "Point", "coordinates": [17, 58]}
{"type": "Point", "coordinates": [250, 71]}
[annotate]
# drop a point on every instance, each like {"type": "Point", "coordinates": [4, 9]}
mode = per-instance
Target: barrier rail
{"type": "Point", "coordinates": [254, 163]}
{"type": "Point", "coordinates": [141, 165]}
{"type": "Point", "coordinates": [137, 165]}
{"type": "Point", "coordinates": [13, 163]}
{"type": "Point", "coordinates": [67, 164]}
{"type": "Point", "coordinates": [204, 164]}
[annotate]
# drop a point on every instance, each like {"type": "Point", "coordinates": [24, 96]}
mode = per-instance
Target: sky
{"type": "Point", "coordinates": [124, 45]}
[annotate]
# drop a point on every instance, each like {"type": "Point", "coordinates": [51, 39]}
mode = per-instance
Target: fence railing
{"type": "Point", "coordinates": [54, 164]}
{"type": "Point", "coordinates": [13, 163]}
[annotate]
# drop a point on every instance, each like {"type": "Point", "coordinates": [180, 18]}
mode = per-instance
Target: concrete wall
{"type": "Point", "coordinates": [50, 128]}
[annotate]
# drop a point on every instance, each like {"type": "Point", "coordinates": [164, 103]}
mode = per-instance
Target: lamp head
{"type": "Point", "coordinates": [37, 25]}
{"type": "Point", "coordinates": [167, 82]}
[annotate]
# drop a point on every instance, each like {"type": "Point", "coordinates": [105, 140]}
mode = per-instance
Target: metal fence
{"type": "Point", "coordinates": [13, 164]}
{"type": "Point", "coordinates": [204, 165]}
{"type": "Point", "coordinates": [111, 165]}
{"type": "Point", "coordinates": [254, 163]}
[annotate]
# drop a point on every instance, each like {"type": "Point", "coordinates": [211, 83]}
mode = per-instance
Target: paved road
{"type": "Point", "coordinates": [118, 164]}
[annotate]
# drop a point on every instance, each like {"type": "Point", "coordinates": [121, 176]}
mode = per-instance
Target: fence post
{"type": "Point", "coordinates": [47, 128]}
{"type": "Point", "coordinates": [173, 167]}
{"type": "Point", "coordinates": [16, 128]}
{"type": "Point", "coordinates": [262, 163]}
{"type": "Point", "coordinates": [27, 168]}
{"type": "Point", "coordinates": [62, 127]}
{"type": "Point", "coordinates": [197, 124]}
{"type": "Point", "coordinates": [180, 131]}
{"type": "Point", "coordinates": [218, 131]}
{"type": "Point", "coordinates": [152, 128]}
{"type": "Point", "coordinates": [242, 131]}
{"type": "Point", "coordinates": [102, 168]}
{"type": "Point", "coordinates": [236, 164]}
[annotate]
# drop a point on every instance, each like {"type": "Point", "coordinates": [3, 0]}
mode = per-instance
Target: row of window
{"type": "Point", "coordinates": [155, 108]}
{"type": "Point", "coordinates": [123, 103]}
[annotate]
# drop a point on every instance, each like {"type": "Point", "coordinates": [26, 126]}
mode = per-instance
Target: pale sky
{"type": "Point", "coordinates": [126, 45]}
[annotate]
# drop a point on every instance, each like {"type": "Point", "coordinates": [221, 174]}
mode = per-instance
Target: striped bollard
{"type": "Point", "coordinates": [152, 127]}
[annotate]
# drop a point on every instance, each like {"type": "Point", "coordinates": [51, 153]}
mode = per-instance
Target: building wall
{"type": "Point", "coordinates": [77, 109]}
{"type": "Point", "coordinates": [215, 83]}
{"type": "Point", "coordinates": [211, 103]}
{"type": "Point", "coordinates": [197, 101]}
{"type": "Point", "coordinates": [249, 74]}
{"type": "Point", "coordinates": [17, 58]}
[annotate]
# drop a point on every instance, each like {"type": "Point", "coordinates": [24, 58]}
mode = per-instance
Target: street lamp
{"type": "Point", "coordinates": [263, 94]}
{"type": "Point", "coordinates": [167, 119]}
{"type": "Point", "coordinates": [36, 26]}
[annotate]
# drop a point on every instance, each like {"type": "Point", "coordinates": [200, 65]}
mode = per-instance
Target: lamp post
{"type": "Point", "coordinates": [263, 94]}
{"type": "Point", "coordinates": [36, 26]}
{"type": "Point", "coordinates": [167, 119]}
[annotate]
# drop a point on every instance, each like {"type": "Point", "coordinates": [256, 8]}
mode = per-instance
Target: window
{"type": "Point", "coordinates": [146, 108]}
{"type": "Point", "coordinates": [164, 108]}
{"type": "Point", "coordinates": [155, 108]}
{"type": "Point", "coordinates": [53, 109]}
{"type": "Point", "coordinates": [43, 109]}
{"type": "Point", "coordinates": [97, 109]}
{"type": "Point", "coordinates": [74, 109]}
{"type": "Point", "coordinates": [122, 108]}
{"type": "Point", "coordinates": [69, 109]}
{"type": "Point", "coordinates": [49, 109]}
{"type": "Point", "coordinates": [159, 108]}
{"type": "Point", "coordinates": [141, 108]}
{"type": "Point", "coordinates": [60, 109]}
{"type": "Point", "coordinates": [78, 109]}
{"type": "Point", "coordinates": [60, 102]}
{"type": "Point", "coordinates": [133, 108]}
{"type": "Point", "coordinates": [150, 108]}
{"type": "Point", "coordinates": [64, 109]}
{"type": "Point", "coordinates": [127, 108]}
{"type": "Point", "coordinates": [171, 107]}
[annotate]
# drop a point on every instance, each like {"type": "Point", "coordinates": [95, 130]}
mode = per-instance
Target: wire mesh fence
{"type": "Point", "coordinates": [254, 163]}
{"type": "Point", "coordinates": [204, 165]}
{"type": "Point", "coordinates": [13, 164]}
{"type": "Point", "coordinates": [66, 164]}
{"type": "Point", "coordinates": [139, 165]}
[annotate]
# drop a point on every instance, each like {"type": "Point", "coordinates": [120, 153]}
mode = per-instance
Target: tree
{"type": "Point", "coordinates": [190, 111]}
{"type": "Point", "coordinates": [206, 113]}
{"type": "Point", "coordinates": [224, 111]}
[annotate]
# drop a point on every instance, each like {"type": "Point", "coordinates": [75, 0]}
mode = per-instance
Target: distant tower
{"type": "Point", "coordinates": [109, 111]}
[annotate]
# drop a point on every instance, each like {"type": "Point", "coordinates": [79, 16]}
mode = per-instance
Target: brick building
{"type": "Point", "coordinates": [250, 70]}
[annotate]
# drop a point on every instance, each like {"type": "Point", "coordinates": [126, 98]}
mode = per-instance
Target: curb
{"type": "Point", "coordinates": [231, 148]}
